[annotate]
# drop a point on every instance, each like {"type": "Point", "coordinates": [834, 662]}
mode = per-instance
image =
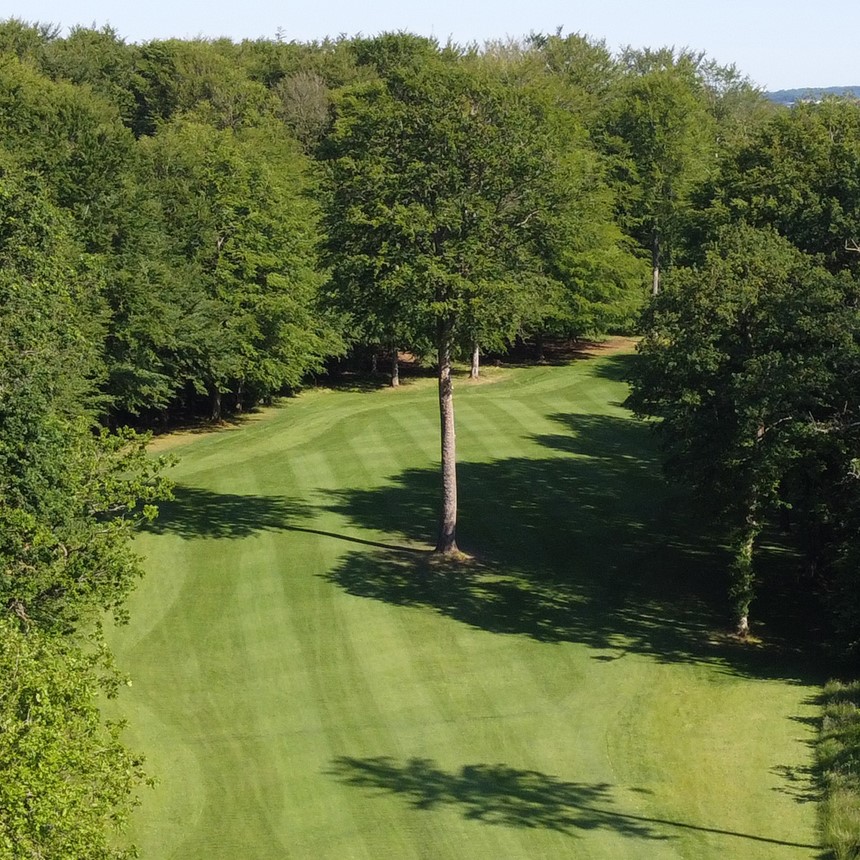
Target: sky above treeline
{"type": "Point", "coordinates": [779, 44]}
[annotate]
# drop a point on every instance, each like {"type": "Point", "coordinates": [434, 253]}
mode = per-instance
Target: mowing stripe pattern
{"type": "Point", "coordinates": [307, 684]}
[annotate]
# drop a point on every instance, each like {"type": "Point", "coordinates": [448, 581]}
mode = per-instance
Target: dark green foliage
{"type": "Point", "coordinates": [26, 40]}
{"type": "Point", "coordinates": [800, 174]}
{"type": "Point", "coordinates": [65, 494]}
{"type": "Point", "coordinates": [795, 354]}
{"type": "Point", "coordinates": [585, 65]}
{"type": "Point", "coordinates": [453, 197]}
{"type": "Point", "coordinates": [393, 52]}
{"type": "Point", "coordinates": [199, 77]}
{"type": "Point", "coordinates": [81, 148]}
{"type": "Point", "coordinates": [99, 59]}
{"type": "Point", "coordinates": [663, 139]}
{"type": "Point", "coordinates": [743, 359]}
{"type": "Point", "coordinates": [241, 232]}
{"type": "Point", "coordinates": [431, 202]}
{"type": "Point", "coordinates": [53, 318]}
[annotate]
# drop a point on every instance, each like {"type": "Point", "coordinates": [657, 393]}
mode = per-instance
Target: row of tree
{"type": "Point", "coordinates": [195, 174]}
{"type": "Point", "coordinates": [69, 499]}
{"type": "Point", "coordinates": [750, 354]}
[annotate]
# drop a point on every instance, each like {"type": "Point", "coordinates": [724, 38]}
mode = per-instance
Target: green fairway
{"type": "Point", "coordinates": [308, 685]}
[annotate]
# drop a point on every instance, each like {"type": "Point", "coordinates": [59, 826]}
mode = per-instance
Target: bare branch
{"type": "Point", "coordinates": [19, 609]}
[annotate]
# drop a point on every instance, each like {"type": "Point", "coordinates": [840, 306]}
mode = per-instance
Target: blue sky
{"type": "Point", "coordinates": [778, 44]}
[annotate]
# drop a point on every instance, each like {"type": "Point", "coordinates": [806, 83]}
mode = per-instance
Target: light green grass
{"type": "Point", "coordinates": [307, 685]}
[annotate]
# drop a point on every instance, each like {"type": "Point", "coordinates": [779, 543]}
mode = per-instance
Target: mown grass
{"type": "Point", "coordinates": [310, 683]}
{"type": "Point", "coordinates": [837, 755]}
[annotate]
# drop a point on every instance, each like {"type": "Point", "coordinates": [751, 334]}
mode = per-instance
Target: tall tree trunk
{"type": "Point", "coordinates": [447, 542]}
{"type": "Point", "coordinates": [395, 367]}
{"type": "Point", "coordinates": [215, 400]}
{"type": "Point", "coordinates": [742, 588]}
{"type": "Point", "coordinates": [655, 263]}
{"type": "Point", "coordinates": [475, 370]}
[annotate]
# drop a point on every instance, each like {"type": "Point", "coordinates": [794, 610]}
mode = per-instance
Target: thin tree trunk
{"type": "Point", "coordinates": [742, 589]}
{"type": "Point", "coordinates": [447, 543]}
{"type": "Point", "coordinates": [239, 390]}
{"type": "Point", "coordinates": [395, 367]}
{"type": "Point", "coordinates": [655, 263]}
{"type": "Point", "coordinates": [215, 399]}
{"type": "Point", "coordinates": [475, 370]}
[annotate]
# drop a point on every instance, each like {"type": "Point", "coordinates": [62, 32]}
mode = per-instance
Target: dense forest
{"type": "Point", "coordinates": [192, 228]}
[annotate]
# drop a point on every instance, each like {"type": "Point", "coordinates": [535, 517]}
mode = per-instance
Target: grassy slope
{"type": "Point", "coordinates": [301, 692]}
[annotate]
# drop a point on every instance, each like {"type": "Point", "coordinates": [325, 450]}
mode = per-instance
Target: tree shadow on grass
{"type": "Point", "coordinates": [194, 513]}
{"type": "Point", "coordinates": [493, 794]}
{"type": "Point", "coordinates": [198, 513]}
{"type": "Point", "coordinates": [502, 795]}
{"type": "Point", "coordinates": [615, 367]}
{"type": "Point", "coordinates": [586, 545]}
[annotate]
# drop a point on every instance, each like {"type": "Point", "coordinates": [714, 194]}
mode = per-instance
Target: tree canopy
{"type": "Point", "coordinates": [451, 206]}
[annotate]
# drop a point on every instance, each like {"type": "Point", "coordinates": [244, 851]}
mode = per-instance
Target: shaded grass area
{"type": "Point", "coordinates": [195, 512]}
{"type": "Point", "coordinates": [536, 529]}
{"type": "Point", "coordinates": [494, 794]}
{"type": "Point", "coordinates": [586, 547]}
{"type": "Point", "coordinates": [497, 794]}
{"type": "Point", "coordinates": [837, 754]}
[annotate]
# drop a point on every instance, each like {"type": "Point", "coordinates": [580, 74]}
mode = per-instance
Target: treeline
{"type": "Point", "coordinates": [811, 94]}
{"type": "Point", "coordinates": [750, 354]}
{"type": "Point", "coordinates": [194, 227]}
{"type": "Point", "coordinates": [188, 175]}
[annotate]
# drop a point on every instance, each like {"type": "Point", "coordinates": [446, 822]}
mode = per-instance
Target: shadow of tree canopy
{"type": "Point", "coordinates": [492, 793]}
{"type": "Point", "coordinates": [194, 512]}
{"type": "Point", "coordinates": [586, 545]}
{"type": "Point", "coordinates": [502, 795]}
{"type": "Point", "coordinates": [615, 367]}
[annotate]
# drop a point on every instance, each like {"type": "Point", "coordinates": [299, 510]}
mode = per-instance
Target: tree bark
{"type": "Point", "coordinates": [240, 386]}
{"type": "Point", "coordinates": [475, 370]}
{"type": "Point", "coordinates": [215, 399]}
{"type": "Point", "coordinates": [447, 542]}
{"type": "Point", "coordinates": [395, 367]}
{"type": "Point", "coordinates": [655, 263]}
{"type": "Point", "coordinates": [743, 574]}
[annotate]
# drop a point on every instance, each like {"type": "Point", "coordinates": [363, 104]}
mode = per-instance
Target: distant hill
{"type": "Point", "coordinates": [789, 97]}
